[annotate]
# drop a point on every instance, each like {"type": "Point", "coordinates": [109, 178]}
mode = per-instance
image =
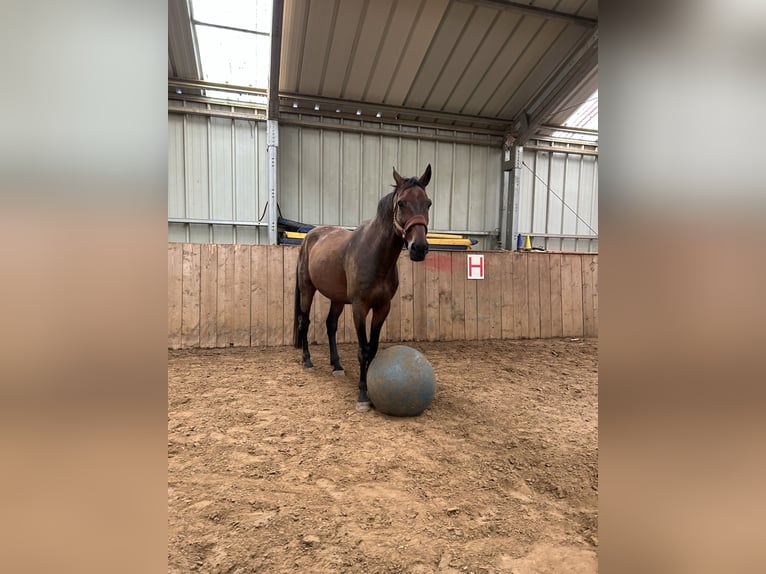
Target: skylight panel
{"type": "Point", "coordinates": [233, 44]}
{"type": "Point", "coordinates": [252, 15]}
{"type": "Point", "coordinates": [231, 57]}
{"type": "Point", "coordinates": [586, 117]}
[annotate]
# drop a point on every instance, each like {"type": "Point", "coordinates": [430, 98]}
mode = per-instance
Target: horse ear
{"type": "Point", "coordinates": [398, 178]}
{"type": "Point", "coordinates": [426, 177]}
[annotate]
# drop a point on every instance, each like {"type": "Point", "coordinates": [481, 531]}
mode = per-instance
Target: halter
{"type": "Point", "coordinates": [411, 222]}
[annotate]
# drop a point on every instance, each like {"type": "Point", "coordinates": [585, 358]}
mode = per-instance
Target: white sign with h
{"type": "Point", "coordinates": [476, 266]}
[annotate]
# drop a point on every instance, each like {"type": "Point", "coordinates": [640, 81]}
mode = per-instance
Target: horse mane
{"type": "Point", "coordinates": [386, 206]}
{"type": "Point", "coordinates": [410, 182]}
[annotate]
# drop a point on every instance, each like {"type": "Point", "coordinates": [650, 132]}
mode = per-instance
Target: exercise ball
{"type": "Point", "coordinates": [400, 381]}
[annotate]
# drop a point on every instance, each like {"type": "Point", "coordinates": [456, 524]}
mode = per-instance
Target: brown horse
{"type": "Point", "coordinates": [359, 268]}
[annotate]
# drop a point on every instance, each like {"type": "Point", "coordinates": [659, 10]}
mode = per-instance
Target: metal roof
{"type": "Point", "coordinates": [496, 65]}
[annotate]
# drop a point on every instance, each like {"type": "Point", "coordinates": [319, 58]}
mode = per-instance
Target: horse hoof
{"type": "Point", "coordinates": [311, 368]}
{"type": "Point", "coordinates": [363, 407]}
{"type": "Point", "coordinates": [340, 373]}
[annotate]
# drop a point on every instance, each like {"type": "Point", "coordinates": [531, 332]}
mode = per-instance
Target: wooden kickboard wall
{"type": "Point", "coordinates": [243, 295]}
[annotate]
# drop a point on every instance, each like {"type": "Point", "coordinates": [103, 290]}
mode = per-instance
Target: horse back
{"type": "Point", "coordinates": [324, 250]}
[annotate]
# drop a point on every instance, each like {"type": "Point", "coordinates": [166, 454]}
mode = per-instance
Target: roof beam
{"type": "Point", "coordinates": [398, 112]}
{"type": "Point", "coordinates": [535, 11]}
{"type": "Point", "coordinates": [563, 82]}
{"type": "Point", "coordinates": [182, 58]}
{"type": "Point", "coordinates": [569, 129]}
{"type": "Point", "coordinates": [277, 13]}
{"type": "Point", "coordinates": [206, 85]}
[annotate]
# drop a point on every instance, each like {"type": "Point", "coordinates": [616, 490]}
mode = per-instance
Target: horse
{"type": "Point", "coordinates": [359, 268]}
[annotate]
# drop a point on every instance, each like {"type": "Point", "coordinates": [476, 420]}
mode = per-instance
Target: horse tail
{"type": "Point", "coordinates": [297, 343]}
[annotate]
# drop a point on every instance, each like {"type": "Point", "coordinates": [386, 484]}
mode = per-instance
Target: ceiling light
{"type": "Point", "coordinates": [358, 112]}
{"type": "Point", "coordinates": [316, 107]}
{"type": "Point", "coordinates": [295, 104]}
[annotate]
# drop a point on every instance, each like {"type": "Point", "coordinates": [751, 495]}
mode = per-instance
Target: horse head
{"type": "Point", "coordinates": [411, 206]}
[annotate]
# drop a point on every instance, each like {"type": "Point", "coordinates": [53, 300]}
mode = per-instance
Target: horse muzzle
{"type": "Point", "coordinates": [417, 244]}
{"type": "Point", "coordinates": [418, 251]}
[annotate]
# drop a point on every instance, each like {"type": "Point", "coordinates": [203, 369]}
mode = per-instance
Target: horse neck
{"type": "Point", "coordinates": [386, 245]}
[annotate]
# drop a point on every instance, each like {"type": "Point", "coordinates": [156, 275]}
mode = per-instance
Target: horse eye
{"type": "Point", "coordinates": [400, 203]}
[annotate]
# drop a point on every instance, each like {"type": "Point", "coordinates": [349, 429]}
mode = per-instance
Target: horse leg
{"type": "Point", "coordinates": [332, 327]}
{"type": "Point", "coordinates": [379, 315]}
{"type": "Point", "coordinates": [303, 298]}
{"type": "Point", "coordinates": [360, 319]}
{"type": "Point", "coordinates": [368, 350]}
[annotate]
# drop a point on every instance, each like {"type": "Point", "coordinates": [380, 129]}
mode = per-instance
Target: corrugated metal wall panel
{"type": "Point", "coordinates": [246, 182]}
{"type": "Point", "coordinates": [221, 177]}
{"type": "Point", "coordinates": [196, 138]}
{"type": "Point", "coordinates": [329, 177]}
{"type": "Point", "coordinates": [217, 169]}
{"type": "Point", "coordinates": [176, 178]}
{"type": "Point", "coordinates": [559, 196]}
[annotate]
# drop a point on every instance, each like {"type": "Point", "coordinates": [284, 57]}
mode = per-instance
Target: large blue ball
{"type": "Point", "coordinates": [400, 381]}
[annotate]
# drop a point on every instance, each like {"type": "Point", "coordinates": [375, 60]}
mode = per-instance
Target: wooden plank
{"type": "Point", "coordinates": [322, 308]}
{"type": "Point", "coordinates": [431, 268]}
{"type": "Point", "coordinates": [175, 294]}
{"type": "Point", "coordinates": [507, 327]}
{"type": "Point", "coordinates": [225, 297]}
{"type": "Point", "coordinates": [482, 300]}
{"type": "Point", "coordinates": [419, 302]}
{"type": "Point", "coordinates": [554, 264]}
{"type": "Point", "coordinates": [383, 329]}
{"type": "Point", "coordinates": [471, 310]}
{"type": "Point", "coordinates": [577, 315]}
{"type": "Point", "coordinates": [394, 320]}
{"type": "Point", "coordinates": [191, 296]}
{"type": "Point", "coordinates": [520, 296]}
{"type": "Point", "coordinates": [567, 327]}
{"type": "Point", "coordinates": [275, 296]}
{"type": "Point", "coordinates": [444, 267]}
{"type": "Point", "coordinates": [595, 295]}
{"type": "Point", "coordinates": [241, 323]}
{"type": "Point", "coordinates": [407, 296]}
{"type": "Point", "coordinates": [289, 261]}
{"type": "Point", "coordinates": [347, 326]}
{"type": "Point", "coordinates": [259, 275]}
{"type": "Point", "coordinates": [533, 294]}
{"type": "Point", "coordinates": [571, 295]}
{"type": "Point", "coordinates": [458, 295]}
{"type": "Point", "coordinates": [546, 329]}
{"type": "Point", "coordinates": [208, 303]}
{"type": "Point", "coordinates": [588, 319]}
{"type": "Point", "coordinates": [494, 277]}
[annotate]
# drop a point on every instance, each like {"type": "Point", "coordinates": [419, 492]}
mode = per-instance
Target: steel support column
{"type": "Point", "coordinates": [513, 177]}
{"type": "Point", "coordinates": [272, 148]}
{"type": "Point", "coordinates": [272, 124]}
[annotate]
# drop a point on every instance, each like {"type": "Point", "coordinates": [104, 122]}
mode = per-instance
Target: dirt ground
{"type": "Point", "coordinates": [271, 469]}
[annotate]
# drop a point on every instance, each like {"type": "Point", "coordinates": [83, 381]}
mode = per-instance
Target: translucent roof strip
{"type": "Point", "coordinates": [230, 57]}
{"type": "Point", "coordinates": [240, 56]}
{"type": "Point", "coordinates": [246, 14]}
{"type": "Point", "coordinates": [585, 116]}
